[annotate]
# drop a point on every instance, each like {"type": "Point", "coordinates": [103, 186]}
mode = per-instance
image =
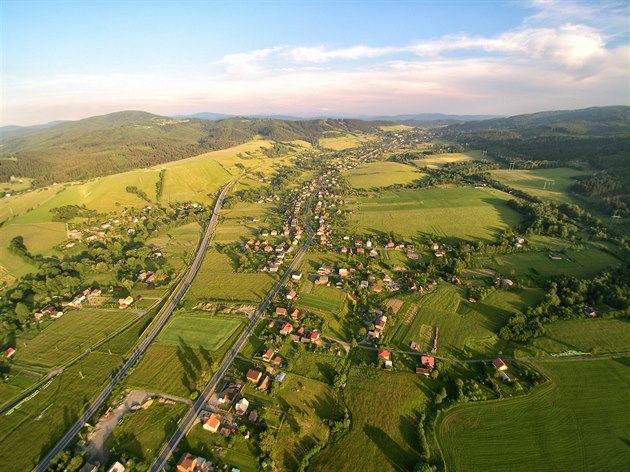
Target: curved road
{"type": "Point", "coordinates": [162, 318]}
{"type": "Point", "coordinates": [188, 421]}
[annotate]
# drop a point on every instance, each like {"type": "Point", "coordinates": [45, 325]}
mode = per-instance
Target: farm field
{"type": "Point", "coordinates": [340, 143]}
{"type": "Point", "coordinates": [597, 336]}
{"type": "Point", "coordinates": [178, 244]}
{"type": "Point", "coordinates": [143, 432]}
{"type": "Point", "coordinates": [46, 417]}
{"type": "Point", "coordinates": [216, 280]}
{"type": "Point", "coordinates": [435, 161]}
{"type": "Point", "coordinates": [556, 188]}
{"type": "Point", "coordinates": [578, 421]}
{"type": "Point", "coordinates": [63, 339]}
{"type": "Point", "coordinates": [18, 380]}
{"type": "Point", "coordinates": [450, 214]}
{"type": "Point", "coordinates": [322, 298]}
{"type": "Point", "coordinates": [584, 263]}
{"type": "Point", "coordinates": [382, 174]}
{"type": "Point", "coordinates": [198, 332]}
{"type": "Point", "coordinates": [389, 440]}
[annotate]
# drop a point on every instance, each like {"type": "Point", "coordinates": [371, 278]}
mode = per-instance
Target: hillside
{"type": "Point", "coordinates": [122, 141]}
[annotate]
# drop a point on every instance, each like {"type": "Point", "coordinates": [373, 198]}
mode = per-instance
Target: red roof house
{"type": "Point", "coordinates": [384, 354]}
{"type": "Point", "coordinates": [499, 364]}
{"type": "Point", "coordinates": [254, 375]}
{"type": "Point", "coordinates": [212, 423]}
{"type": "Point", "coordinates": [286, 329]}
{"type": "Point", "coordinates": [9, 352]}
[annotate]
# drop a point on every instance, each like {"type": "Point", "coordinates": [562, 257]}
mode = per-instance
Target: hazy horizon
{"type": "Point", "coordinates": [71, 60]}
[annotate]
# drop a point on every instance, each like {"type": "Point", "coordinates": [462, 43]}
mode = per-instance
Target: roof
{"type": "Point", "coordinates": [187, 462]}
{"type": "Point", "coordinates": [253, 375]}
{"type": "Point", "coordinates": [314, 335]}
{"type": "Point", "coordinates": [428, 361]}
{"type": "Point", "coordinates": [213, 421]}
{"type": "Point", "coordinates": [384, 353]}
{"type": "Point", "coordinates": [498, 363]}
{"type": "Point", "coordinates": [10, 351]}
{"type": "Point", "coordinates": [269, 353]}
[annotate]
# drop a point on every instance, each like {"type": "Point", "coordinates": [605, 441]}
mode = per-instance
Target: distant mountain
{"type": "Point", "coordinates": [14, 130]}
{"type": "Point", "coordinates": [130, 139]}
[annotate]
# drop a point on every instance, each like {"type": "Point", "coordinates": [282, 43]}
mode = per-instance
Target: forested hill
{"type": "Point", "coordinates": [126, 140]}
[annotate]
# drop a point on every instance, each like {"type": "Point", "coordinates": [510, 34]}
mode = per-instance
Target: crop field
{"type": "Point", "coordinates": [382, 174]}
{"type": "Point", "coordinates": [46, 417]}
{"type": "Point", "coordinates": [385, 407]}
{"type": "Point", "coordinates": [143, 432]}
{"type": "Point", "coordinates": [216, 280]}
{"type": "Point", "coordinates": [310, 403]}
{"type": "Point", "coordinates": [198, 332]}
{"type": "Point", "coordinates": [435, 161]}
{"type": "Point", "coordinates": [450, 214]}
{"type": "Point", "coordinates": [576, 422]}
{"type": "Point", "coordinates": [16, 381]}
{"type": "Point", "coordinates": [63, 339]}
{"type": "Point", "coordinates": [584, 263]}
{"type": "Point", "coordinates": [548, 184]}
{"type": "Point", "coordinates": [596, 336]}
{"type": "Point", "coordinates": [340, 143]}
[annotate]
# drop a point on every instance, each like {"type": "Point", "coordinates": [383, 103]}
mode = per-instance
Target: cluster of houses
{"type": "Point", "coordinates": [191, 463]}
{"type": "Point", "coordinates": [89, 295]}
{"type": "Point", "coordinates": [379, 325]}
{"type": "Point", "coordinates": [150, 278]}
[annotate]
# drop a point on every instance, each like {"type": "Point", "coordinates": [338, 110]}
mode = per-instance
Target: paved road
{"type": "Point", "coordinates": [191, 417]}
{"type": "Point", "coordinates": [162, 318]}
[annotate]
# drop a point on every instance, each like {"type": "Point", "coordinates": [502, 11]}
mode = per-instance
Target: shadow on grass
{"type": "Point", "coordinates": [391, 449]}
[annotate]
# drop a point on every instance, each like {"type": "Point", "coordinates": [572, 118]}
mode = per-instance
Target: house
{"type": "Point", "coordinates": [315, 338]}
{"type": "Point", "coordinates": [268, 354]}
{"type": "Point", "coordinates": [264, 385]}
{"type": "Point", "coordinates": [364, 284]}
{"type": "Point", "coordinates": [277, 360]}
{"type": "Point", "coordinates": [321, 280]}
{"type": "Point", "coordinates": [440, 253]}
{"type": "Point", "coordinates": [212, 423]}
{"type": "Point", "coordinates": [254, 375]}
{"type": "Point", "coordinates": [377, 288]}
{"type": "Point", "coordinates": [291, 295]}
{"type": "Point", "coordinates": [280, 311]}
{"type": "Point", "coordinates": [499, 364]}
{"type": "Point", "coordinates": [296, 276]}
{"type": "Point", "coordinates": [253, 416]}
{"type": "Point", "coordinates": [590, 312]}
{"type": "Point", "coordinates": [229, 393]}
{"type": "Point", "coordinates": [422, 371]}
{"type": "Point", "coordinates": [242, 406]}
{"type": "Point", "coordinates": [117, 467]}
{"type": "Point", "coordinates": [428, 362]}
{"type": "Point", "coordinates": [343, 272]}
{"type": "Point", "coordinates": [508, 283]}
{"type": "Point", "coordinates": [286, 329]}
{"type": "Point", "coordinates": [10, 352]}
{"type": "Point", "coordinates": [384, 354]}
{"type": "Point", "coordinates": [125, 302]}
{"type": "Point", "coordinates": [414, 345]}
{"type": "Point", "coordinates": [295, 314]}
{"type": "Point", "coordinates": [505, 377]}
{"type": "Point", "coordinates": [187, 463]}
{"type": "Point", "coordinates": [380, 323]}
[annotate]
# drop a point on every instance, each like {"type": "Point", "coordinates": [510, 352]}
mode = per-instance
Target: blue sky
{"type": "Point", "coordinates": [68, 60]}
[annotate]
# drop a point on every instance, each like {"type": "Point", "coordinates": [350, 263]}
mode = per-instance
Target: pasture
{"type": "Point", "coordinates": [384, 407]}
{"type": "Point", "coordinates": [547, 184]}
{"type": "Point", "coordinates": [65, 338]}
{"type": "Point", "coordinates": [382, 174]}
{"type": "Point", "coordinates": [341, 143]}
{"type": "Point", "coordinates": [450, 214]}
{"type": "Point", "coordinates": [578, 421]}
{"type": "Point", "coordinates": [45, 418]}
{"type": "Point", "coordinates": [177, 244]}
{"type": "Point", "coordinates": [217, 280]}
{"type": "Point", "coordinates": [322, 299]}
{"type": "Point", "coordinates": [143, 432]}
{"type": "Point", "coordinates": [198, 332]}
{"type": "Point", "coordinates": [435, 161]}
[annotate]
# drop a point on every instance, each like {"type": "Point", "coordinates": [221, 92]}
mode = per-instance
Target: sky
{"type": "Point", "coordinates": [70, 60]}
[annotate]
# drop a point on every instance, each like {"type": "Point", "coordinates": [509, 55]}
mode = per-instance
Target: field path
{"type": "Point", "coordinates": [162, 317]}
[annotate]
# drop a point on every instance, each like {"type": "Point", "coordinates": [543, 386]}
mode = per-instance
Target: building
{"type": "Point", "coordinates": [280, 311]}
{"type": "Point", "coordinates": [384, 355]}
{"type": "Point", "coordinates": [117, 467]}
{"type": "Point", "coordinates": [286, 329]}
{"type": "Point", "coordinates": [315, 338]}
{"type": "Point", "coordinates": [268, 354]}
{"type": "Point", "coordinates": [187, 463]}
{"type": "Point", "coordinates": [291, 295]}
{"type": "Point", "coordinates": [125, 302]}
{"type": "Point", "coordinates": [242, 406]}
{"type": "Point", "coordinates": [10, 352]}
{"type": "Point", "coordinates": [296, 276]}
{"type": "Point", "coordinates": [254, 375]}
{"type": "Point", "coordinates": [212, 423]}
{"type": "Point", "coordinates": [499, 364]}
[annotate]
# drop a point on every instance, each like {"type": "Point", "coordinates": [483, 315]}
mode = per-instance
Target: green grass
{"type": "Point", "coordinates": [25, 436]}
{"type": "Point", "coordinates": [217, 280]}
{"type": "Point", "coordinates": [63, 339]}
{"type": "Point", "coordinates": [341, 143]}
{"type": "Point", "coordinates": [548, 184]}
{"type": "Point", "coordinates": [435, 161]}
{"type": "Point", "coordinates": [143, 432]}
{"type": "Point", "coordinates": [177, 244]}
{"type": "Point", "coordinates": [597, 336]}
{"type": "Point", "coordinates": [577, 422]}
{"type": "Point", "coordinates": [450, 214]}
{"type": "Point", "coordinates": [198, 332]}
{"type": "Point", "coordinates": [583, 263]}
{"type": "Point", "coordinates": [322, 299]}
{"type": "Point", "coordinates": [382, 174]}
{"type": "Point", "coordinates": [383, 436]}
{"type": "Point", "coordinates": [18, 380]}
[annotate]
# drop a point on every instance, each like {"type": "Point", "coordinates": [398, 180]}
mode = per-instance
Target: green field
{"type": "Point", "coordinates": [143, 432]}
{"type": "Point", "coordinates": [435, 161]}
{"type": "Point", "coordinates": [340, 143]}
{"type": "Point", "coordinates": [178, 244]}
{"type": "Point", "coordinates": [382, 174]}
{"type": "Point", "coordinates": [584, 263]}
{"type": "Point", "coordinates": [383, 436]}
{"type": "Point", "coordinates": [198, 332]}
{"type": "Point", "coordinates": [450, 214]}
{"type": "Point", "coordinates": [28, 433]}
{"type": "Point", "coordinates": [217, 280]}
{"type": "Point", "coordinates": [322, 299]}
{"type": "Point", "coordinates": [548, 184]}
{"type": "Point", "coordinates": [576, 422]}
{"type": "Point", "coordinates": [64, 339]}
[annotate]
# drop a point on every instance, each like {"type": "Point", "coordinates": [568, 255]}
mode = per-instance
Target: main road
{"type": "Point", "coordinates": [162, 318]}
{"type": "Point", "coordinates": [187, 422]}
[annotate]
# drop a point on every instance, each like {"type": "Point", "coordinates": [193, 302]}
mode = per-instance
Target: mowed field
{"type": "Point", "coordinates": [548, 184]}
{"type": "Point", "coordinates": [578, 422]}
{"type": "Point", "coordinates": [382, 174]}
{"type": "Point", "coordinates": [384, 407]}
{"type": "Point", "coordinates": [339, 143]}
{"type": "Point", "coordinates": [64, 339]}
{"type": "Point", "coordinates": [435, 161]}
{"type": "Point", "coordinates": [198, 331]}
{"type": "Point", "coordinates": [217, 280]}
{"type": "Point", "coordinates": [449, 213]}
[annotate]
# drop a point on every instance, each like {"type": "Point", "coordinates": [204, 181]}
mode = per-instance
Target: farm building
{"type": "Point", "coordinates": [125, 302]}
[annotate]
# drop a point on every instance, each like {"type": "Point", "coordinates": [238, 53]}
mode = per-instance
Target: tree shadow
{"type": "Point", "coordinates": [391, 449]}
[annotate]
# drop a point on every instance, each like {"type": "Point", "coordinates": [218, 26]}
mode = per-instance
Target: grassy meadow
{"type": "Point", "coordinates": [382, 174]}
{"type": "Point", "coordinates": [198, 332]}
{"type": "Point", "coordinates": [578, 421]}
{"type": "Point", "coordinates": [435, 161]}
{"type": "Point", "coordinates": [341, 143]}
{"type": "Point", "coordinates": [449, 213]}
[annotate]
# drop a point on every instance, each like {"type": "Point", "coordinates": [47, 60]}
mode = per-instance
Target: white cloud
{"type": "Point", "coordinates": [321, 54]}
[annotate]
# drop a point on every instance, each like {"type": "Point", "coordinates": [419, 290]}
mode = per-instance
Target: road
{"type": "Point", "coordinates": [189, 420]}
{"type": "Point", "coordinates": [162, 318]}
